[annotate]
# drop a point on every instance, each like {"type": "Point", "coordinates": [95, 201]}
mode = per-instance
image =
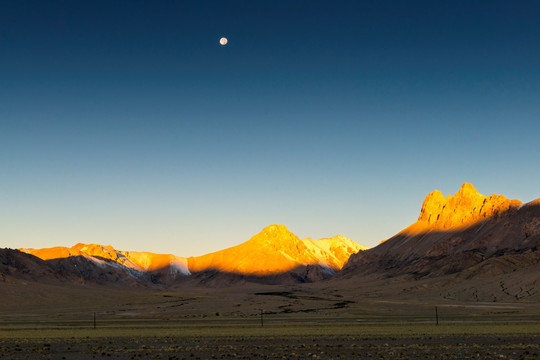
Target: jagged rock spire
{"type": "Point", "coordinates": [466, 206]}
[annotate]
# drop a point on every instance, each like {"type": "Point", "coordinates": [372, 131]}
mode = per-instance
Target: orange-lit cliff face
{"type": "Point", "coordinates": [276, 250]}
{"type": "Point", "coordinates": [57, 252]}
{"type": "Point", "coordinates": [465, 208]}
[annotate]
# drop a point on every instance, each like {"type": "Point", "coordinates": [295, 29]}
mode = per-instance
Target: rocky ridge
{"type": "Point", "coordinates": [465, 207]}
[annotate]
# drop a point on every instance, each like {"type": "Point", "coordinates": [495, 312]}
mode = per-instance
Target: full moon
{"type": "Point", "coordinates": [223, 41]}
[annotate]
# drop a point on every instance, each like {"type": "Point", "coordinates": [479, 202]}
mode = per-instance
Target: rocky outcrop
{"type": "Point", "coordinates": [465, 207]}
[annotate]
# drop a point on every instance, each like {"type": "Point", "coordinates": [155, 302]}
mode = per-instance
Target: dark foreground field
{"type": "Point", "coordinates": [49, 322]}
{"type": "Point", "coordinates": [280, 338]}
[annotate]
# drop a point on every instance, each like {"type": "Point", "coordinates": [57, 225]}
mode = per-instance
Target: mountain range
{"type": "Point", "coordinates": [463, 246]}
{"type": "Point", "coordinates": [275, 255]}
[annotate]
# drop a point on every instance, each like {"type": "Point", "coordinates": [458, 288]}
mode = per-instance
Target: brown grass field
{"type": "Point", "coordinates": [300, 322]}
{"type": "Point", "coordinates": [280, 338]}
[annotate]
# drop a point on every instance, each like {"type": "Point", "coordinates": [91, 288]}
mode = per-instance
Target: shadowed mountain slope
{"type": "Point", "coordinates": [18, 265]}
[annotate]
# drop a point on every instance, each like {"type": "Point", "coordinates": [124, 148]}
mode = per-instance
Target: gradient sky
{"type": "Point", "coordinates": [126, 123]}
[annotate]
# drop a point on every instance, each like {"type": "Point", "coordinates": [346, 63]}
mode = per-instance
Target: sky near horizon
{"type": "Point", "coordinates": [127, 123]}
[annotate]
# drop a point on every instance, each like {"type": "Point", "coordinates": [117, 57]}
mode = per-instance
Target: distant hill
{"type": "Point", "coordinates": [17, 266]}
{"type": "Point", "coordinates": [142, 267]}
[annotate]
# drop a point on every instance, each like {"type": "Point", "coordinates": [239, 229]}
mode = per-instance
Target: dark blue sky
{"type": "Point", "coordinates": [126, 123]}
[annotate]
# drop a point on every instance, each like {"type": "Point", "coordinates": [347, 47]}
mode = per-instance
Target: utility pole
{"type": "Point", "coordinates": [94, 319]}
{"type": "Point", "coordinates": [262, 323]}
{"type": "Point", "coordinates": [436, 316]}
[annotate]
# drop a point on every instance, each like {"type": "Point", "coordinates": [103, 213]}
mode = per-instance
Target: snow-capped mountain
{"type": "Point", "coordinates": [276, 250]}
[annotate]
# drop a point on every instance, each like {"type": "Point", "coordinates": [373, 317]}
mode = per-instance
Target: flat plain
{"type": "Point", "coordinates": [298, 323]}
{"type": "Point", "coordinates": [279, 338]}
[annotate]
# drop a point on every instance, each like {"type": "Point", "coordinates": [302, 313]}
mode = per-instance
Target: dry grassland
{"type": "Point", "coordinates": [299, 323]}
{"type": "Point", "coordinates": [280, 338]}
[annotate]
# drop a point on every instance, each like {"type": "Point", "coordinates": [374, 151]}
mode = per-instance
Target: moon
{"type": "Point", "coordinates": [223, 41]}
